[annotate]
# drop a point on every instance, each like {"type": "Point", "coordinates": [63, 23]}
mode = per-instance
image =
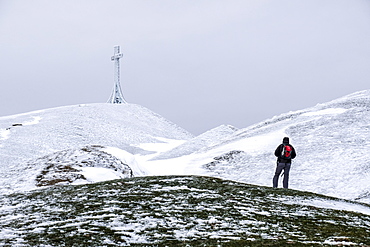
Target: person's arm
{"type": "Point", "coordinates": [278, 151]}
{"type": "Point", "coordinates": [293, 153]}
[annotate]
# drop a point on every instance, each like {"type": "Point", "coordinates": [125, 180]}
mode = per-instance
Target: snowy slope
{"type": "Point", "coordinates": [206, 139]}
{"type": "Point", "coordinates": [86, 144]}
{"type": "Point", "coordinates": [183, 211]}
{"type": "Point", "coordinates": [26, 138]}
{"type": "Point", "coordinates": [332, 142]}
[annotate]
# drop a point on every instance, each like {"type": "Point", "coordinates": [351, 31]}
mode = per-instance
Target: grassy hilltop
{"type": "Point", "coordinates": [178, 211]}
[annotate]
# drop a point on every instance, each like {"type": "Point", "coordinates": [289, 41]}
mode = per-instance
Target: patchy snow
{"type": "Point", "coordinates": [339, 241]}
{"type": "Point", "coordinates": [179, 210]}
{"type": "Point", "coordinates": [97, 174]}
{"type": "Point", "coordinates": [129, 159]}
{"type": "Point", "coordinates": [337, 205]}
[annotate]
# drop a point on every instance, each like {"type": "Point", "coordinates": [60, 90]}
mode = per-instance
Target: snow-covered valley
{"type": "Point", "coordinates": [86, 144]}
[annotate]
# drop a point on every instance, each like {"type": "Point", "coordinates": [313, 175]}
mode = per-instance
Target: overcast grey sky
{"type": "Point", "coordinates": [198, 63]}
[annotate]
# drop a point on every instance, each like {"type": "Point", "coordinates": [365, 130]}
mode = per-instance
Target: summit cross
{"type": "Point", "coordinates": [117, 96]}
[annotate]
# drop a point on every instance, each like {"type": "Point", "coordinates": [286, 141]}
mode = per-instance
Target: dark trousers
{"type": "Point", "coordinates": [279, 168]}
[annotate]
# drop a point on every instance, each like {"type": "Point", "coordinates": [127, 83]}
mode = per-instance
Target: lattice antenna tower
{"type": "Point", "coordinates": [117, 96]}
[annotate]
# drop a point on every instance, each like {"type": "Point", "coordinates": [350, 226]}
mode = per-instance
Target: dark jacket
{"type": "Point", "coordinates": [279, 149]}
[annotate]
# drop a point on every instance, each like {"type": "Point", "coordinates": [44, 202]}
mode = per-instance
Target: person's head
{"type": "Point", "coordinates": [286, 140]}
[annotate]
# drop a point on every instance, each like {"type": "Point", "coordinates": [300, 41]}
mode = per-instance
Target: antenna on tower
{"type": "Point", "coordinates": [117, 96]}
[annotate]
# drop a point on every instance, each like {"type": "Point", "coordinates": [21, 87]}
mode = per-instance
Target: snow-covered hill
{"type": "Point", "coordinates": [28, 141]}
{"type": "Point", "coordinates": [332, 141]}
{"type": "Point", "coordinates": [179, 211]}
{"type": "Point", "coordinates": [86, 144]}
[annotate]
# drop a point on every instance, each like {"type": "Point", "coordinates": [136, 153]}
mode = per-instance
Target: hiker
{"type": "Point", "coordinates": [284, 153]}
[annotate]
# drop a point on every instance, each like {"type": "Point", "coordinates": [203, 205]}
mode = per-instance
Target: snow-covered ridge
{"type": "Point", "coordinates": [331, 139]}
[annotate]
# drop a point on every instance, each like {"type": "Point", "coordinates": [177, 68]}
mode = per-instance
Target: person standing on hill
{"type": "Point", "coordinates": [284, 153]}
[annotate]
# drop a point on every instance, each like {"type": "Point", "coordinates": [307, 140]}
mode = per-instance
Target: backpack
{"type": "Point", "coordinates": [286, 153]}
